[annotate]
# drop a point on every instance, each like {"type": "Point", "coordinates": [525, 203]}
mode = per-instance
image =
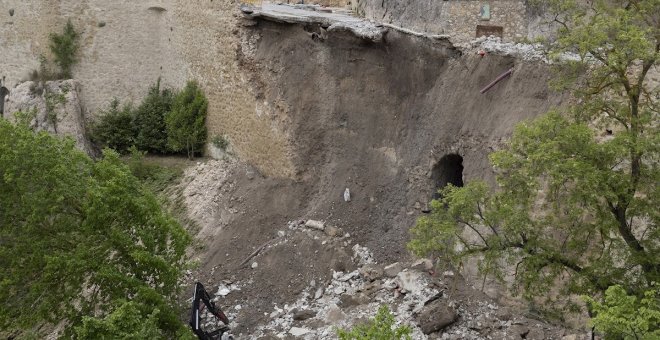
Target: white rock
{"type": "Point", "coordinates": [297, 331]}
{"type": "Point", "coordinates": [314, 224]}
{"type": "Point", "coordinates": [318, 294]}
{"type": "Point", "coordinates": [223, 290]}
{"type": "Point", "coordinates": [347, 195]}
{"type": "Point", "coordinates": [255, 265]}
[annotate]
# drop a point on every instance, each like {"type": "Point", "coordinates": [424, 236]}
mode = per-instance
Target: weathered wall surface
{"type": "Point", "coordinates": [127, 45]}
{"type": "Point", "coordinates": [53, 106]}
{"type": "Point", "coordinates": [458, 18]}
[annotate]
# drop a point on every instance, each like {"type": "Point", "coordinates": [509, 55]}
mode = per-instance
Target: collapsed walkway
{"type": "Point", "coordinates": [331, 19]}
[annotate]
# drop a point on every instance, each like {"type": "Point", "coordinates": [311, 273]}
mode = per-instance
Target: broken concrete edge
{"type": "Point", "coordinates": [361, 28]}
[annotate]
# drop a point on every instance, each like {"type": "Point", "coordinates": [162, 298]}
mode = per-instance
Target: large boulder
{"type": "Point", "coordinates": [435, 316]}
{"type": "Point", "coordinates": [52, 106]}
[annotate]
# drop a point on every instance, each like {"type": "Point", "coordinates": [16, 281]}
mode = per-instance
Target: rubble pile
{"type": "Point", "coordinates": [418, 296]}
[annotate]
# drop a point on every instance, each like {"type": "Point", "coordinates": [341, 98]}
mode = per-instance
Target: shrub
{"type": "Point", "coordinates": [186, 123]}
{"type": "Point", "coordinates": [114, 128]}
{"type": "Point", "coordinates": [622, 316]}
{"type": "Point", "coordinates": [220, 142]}
{"type": "Point", "coordinates": [64, 48]}
{"type": "Point", "coordinates": [149, 120]}
{"type": "Point", "coordinates": [380, 328]}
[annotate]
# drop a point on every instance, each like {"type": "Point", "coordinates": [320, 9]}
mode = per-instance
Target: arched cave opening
{"type": "Point", "coordinates": [3, 93]}
{"type": "Point", "coordinates": [449, 169]}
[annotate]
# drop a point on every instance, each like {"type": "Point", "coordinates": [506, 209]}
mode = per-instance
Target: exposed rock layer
{"type": "Point", "coordinates": [53, 106]}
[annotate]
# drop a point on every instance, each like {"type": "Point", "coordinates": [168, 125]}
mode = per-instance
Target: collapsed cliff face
{"type": "Point", "coordinates": [381, 118]}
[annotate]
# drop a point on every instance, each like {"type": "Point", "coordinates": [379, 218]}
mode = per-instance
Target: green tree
{"type": "Point", "coordinates": [622, 316]}
{"type": "Point", "coordinates": [380, 328]}
{"type": "Point", "coordinates": [114, 128]}
{"type": "Point", "coordinates": [149, 120]}
{"type": "Point", "coordinates": [576, 208]}
{"type": "Point", "coordinates": [65, 47]}
{"type": "Point", "coordinates": [186, 123]}
{"type": "Point", "coordinates": [77, 237]}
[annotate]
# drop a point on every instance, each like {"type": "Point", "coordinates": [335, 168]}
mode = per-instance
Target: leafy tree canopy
{"type": "Point", "coordinates": [622, 316]}
{"type": "Point", "coordinates": [576, 208]}
{"type": "Point", "coordinates": [77, 237]}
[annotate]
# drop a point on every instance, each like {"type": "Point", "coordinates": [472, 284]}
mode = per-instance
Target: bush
{"type": "Point", "coordinates": [114, 128]}
{"type": "Point", "coordinates": [149, 120]}
{"type": "Point", "coordinates": [381, 328]}
{"type": "Point", "coordinates": [64, 48]}
{"type": "Point", "coordinates": [186, 123]}
{"type": "Point", "coordinates": [220, 142]}
{"type": "Point", "coordinates": [622, 316]}
{"type": "Point", "coordinates": [165, 122]}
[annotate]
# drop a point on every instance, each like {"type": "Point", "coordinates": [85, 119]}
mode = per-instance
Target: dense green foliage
{"type": "Point", "coordinates": [380, 328]}
{"type": "Point", "coordinates": [78, 238]}
{"type": "Point", "coordinates": [64, 48]}
{"type": "Point", "coordinates": [149, 120]}
{"type": "Point", "coordinates": [621, 316]}
{"type": "Point", "coordinates": [165, 122]}
{"type": "Point", "coordinates": [114, 129]}
{"type": "Point", "coordinates": [186, 123]}
{"type": "Point", "coordinates": [576, 211]}
{"type": "Point", "coordinates": [126, 322]}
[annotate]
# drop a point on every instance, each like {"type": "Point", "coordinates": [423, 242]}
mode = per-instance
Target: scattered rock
{"type": "Point", "coordinates": [536, 333]}
{"type": "Point", "coordinates": [422, 265]}
{"type": "Point", "coordinates": [304, 315]}
{"type": "Point", "coordinates": [314, 224]}
{"type": "Point", "coordinates": [297, 331]}
{"type": "Point", "coordinates": [393, 269]}
{"type": "Point", "coordinates": [371, 272]}
{"type": "Point", "coordinates": [318, 294]}
{"type": "Point", "coordinates": [410, 281]}
{"type": "Point", "coordinates": [334, 315]}
{"type": "Point", "coordinates": [436, 316]}
{"type": "Point", "coordinates": [332, 231]}
{"type": "Point", "coordinates": [223, 290]}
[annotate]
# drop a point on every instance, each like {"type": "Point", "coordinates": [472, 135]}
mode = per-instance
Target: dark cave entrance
{"type": "Point", "coordinates": [3, 93]}
{"type": "Point", "coordinates": [449, 169]}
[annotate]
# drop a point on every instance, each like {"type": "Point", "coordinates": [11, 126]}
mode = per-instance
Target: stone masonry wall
{"type": "Point", "coordinates": [457, 18]}
{"type": "Point", "coordinates": [127, 45]}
